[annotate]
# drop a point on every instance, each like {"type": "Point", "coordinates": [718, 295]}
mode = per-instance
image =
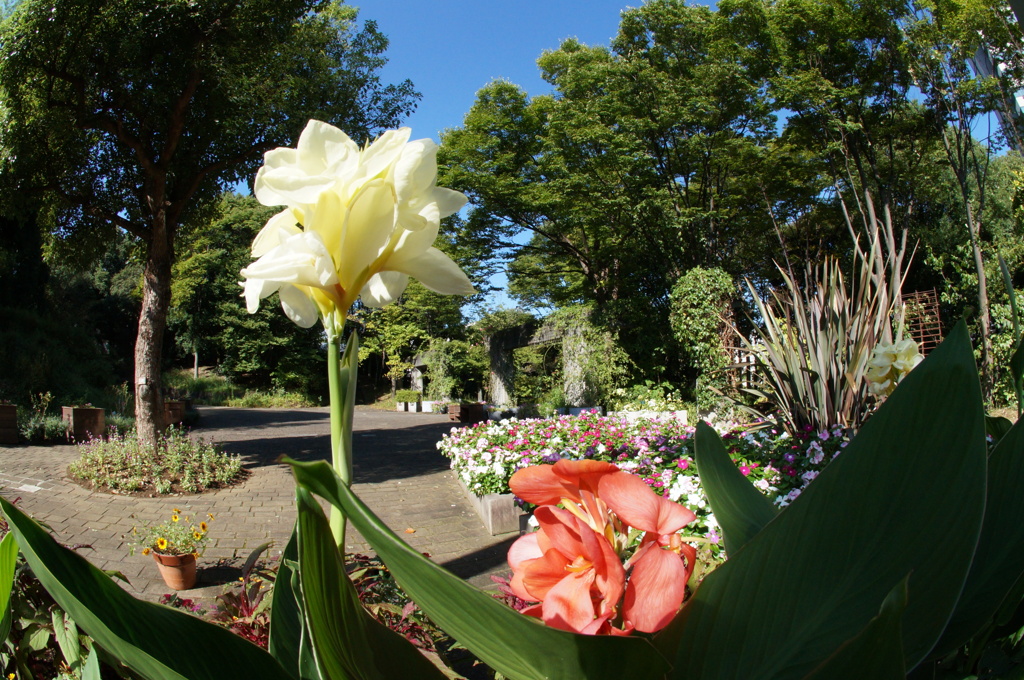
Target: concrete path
{"type": "Point", "coordinates": [399, 474]}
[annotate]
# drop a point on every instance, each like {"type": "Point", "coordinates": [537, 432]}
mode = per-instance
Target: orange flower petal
{"type": "Point", "coordinates": [525, 548]}
{"type": "Point", "coordinates": [539, 576]}
{"type": "Point", "coordinates": [638, 506]}
{"type": "Point", "coordinates": [540, 485]}
{"type": "Point", "coordinates": [568, 605]}
{"type": "Point", "coordinates": [584, 474]}
{"type": "Point", "coordinates": [559, 530]}
{"type": "Point", "coordinates": [656, 589]}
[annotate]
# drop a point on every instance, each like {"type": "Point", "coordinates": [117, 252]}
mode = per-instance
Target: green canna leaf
{"type": "Point", "coordinates": [876, 652]}
{"type": "Point", "coordinates": [906, 496]}
{"type": "Point", "coordinates": [519, 647]}
{"type": "Point", "coordinates": [999, 558]}
{"type": "Point", "coordinates": [286, 624]}
{"type": "Point", "coordinates": [157, 642]}
{"type": "Point", "coordinates": [347, 641]}
{"type": "Point", "coordinates": [741, 510]}
{"type": "Point", "coordinates": [8, 563]}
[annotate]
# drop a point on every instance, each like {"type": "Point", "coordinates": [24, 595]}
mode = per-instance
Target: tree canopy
{"type": "Point", "coordinates": [731, 138]}
{"type": "Point", "coordinates": [136, 114]}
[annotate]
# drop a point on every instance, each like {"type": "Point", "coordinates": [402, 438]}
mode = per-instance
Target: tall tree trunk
{"type": "Point", "coordinates": [156, 298]}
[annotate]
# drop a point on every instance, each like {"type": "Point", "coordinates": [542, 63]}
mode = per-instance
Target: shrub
{"type": "Point", "coordinates": [278, 399]}
{"type": "Point", "coordinates": [119, 423]}
{"type": "Point", "coordinates": [649, 396]}
{"type": "Point", "coordinates": [42, 428]}
{"type": "Point", "coordinates": [122, 464]}
{"type": "Point", "coordinates": [408, 396]}
{"type": "Point", "coordinates": [701, 321]}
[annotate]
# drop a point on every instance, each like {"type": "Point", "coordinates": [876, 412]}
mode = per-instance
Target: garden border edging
{"type": "Point", "coordinates": [497, 511]}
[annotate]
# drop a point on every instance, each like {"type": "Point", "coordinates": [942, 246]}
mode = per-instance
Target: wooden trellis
{"type": "Point", "coordinates": [922, 319]}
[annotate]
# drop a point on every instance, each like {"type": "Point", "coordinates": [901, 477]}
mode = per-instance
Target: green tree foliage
{"type": "Point", "coordinates": [68, 331]}
{"type": "Point", "coordinates": [136, 114]}
{"type": "Point", "coordinates": [942, 36]}
{"type": "Point", "coordinates": [726, 138]}
{"type": "Point", "coordinates": [702, 321]}
{"type": "Point", "coordinates": [208, 316]}
{"type": "Point", "coordinates": [396, 334]}
{"type": "Point", "coordinates": [458, 368]}
{"type": "Point", "coordinates": [633, 171]}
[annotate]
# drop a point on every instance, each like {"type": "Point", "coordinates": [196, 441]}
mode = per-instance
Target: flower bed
{"type": "Point", "coordinates": [485, 455]}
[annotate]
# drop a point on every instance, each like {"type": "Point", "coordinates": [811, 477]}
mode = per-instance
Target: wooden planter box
{"type": "Point", "coordinates": [84, 422]}
{"type": "Point", "coordinates": [174, 412]}
{"type": "Point", "coordinates": [8, 424]}
{"type": "Point", "coordinates": [467, 413]}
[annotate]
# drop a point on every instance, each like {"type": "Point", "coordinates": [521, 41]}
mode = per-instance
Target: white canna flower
{"type": "Point", "coordinates": [890, 363]}
{"type": "Point", "coordinates": [357, 223]}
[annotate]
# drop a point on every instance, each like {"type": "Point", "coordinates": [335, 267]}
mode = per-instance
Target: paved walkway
{"type": "Point", "coordinates": [398, 473]}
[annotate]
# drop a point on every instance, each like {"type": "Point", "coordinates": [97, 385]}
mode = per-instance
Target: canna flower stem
{"type": "Point", "coordinates": [341, 437]}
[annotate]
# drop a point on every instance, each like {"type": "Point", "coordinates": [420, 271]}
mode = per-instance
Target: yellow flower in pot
{"type": "Point", "coordinates": [175, 546]}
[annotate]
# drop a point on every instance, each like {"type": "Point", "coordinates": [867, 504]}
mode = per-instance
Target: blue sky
{"type": "Point", "coordinates": [450, 49]}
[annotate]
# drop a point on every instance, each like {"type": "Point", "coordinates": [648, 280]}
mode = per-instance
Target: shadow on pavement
{"type": "Point", "coordinates": [386, 445]}
{"type": "Point", "coordinates": [493, 558]}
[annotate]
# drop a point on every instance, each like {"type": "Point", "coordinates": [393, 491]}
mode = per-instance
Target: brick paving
{"type": "Point", "coordinates": [397, 472]}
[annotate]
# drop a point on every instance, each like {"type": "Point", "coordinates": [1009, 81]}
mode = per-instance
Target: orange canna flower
{"type": "Point", "coordinates": [574, 485]}
{"type": "Point", "coordinates": [572, 570]}
{"type": "Point", "coordinates": [572, 565]}
{"type": "Point", "coordinates": [662, 564]}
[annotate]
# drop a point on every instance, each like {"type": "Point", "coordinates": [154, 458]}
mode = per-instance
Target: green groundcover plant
{"type": "Point", "coordinates": [121, 464]}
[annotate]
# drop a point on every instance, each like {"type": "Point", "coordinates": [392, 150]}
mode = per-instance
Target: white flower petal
{"type": "Point", "coordinates": [324, 149]}
{"type": "Point", "coordinates": [289, 186]}
{"type": "Point", "coordinates": [301, 259]}
{"type": "Point", "coordinates": [378, 158]}
{"type": "Point", "coordinates": [367, 230]}
{"type": "Point", "coordinates": [416, 169]}
{"type": "Point", "coordinates": [256, 290]}
{"type": "Point", "coordinates": [298, 307]}
{"type": "Point", "coordinates": [448, 202]}
{"type": "Point", "coordinates": [383, 288]}
{"type": "Point", "coordinates": [276, 231]}
{"type": "Point", "coordinates": [438, 272]}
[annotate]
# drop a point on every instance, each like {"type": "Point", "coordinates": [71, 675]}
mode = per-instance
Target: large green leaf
{"type": "Point", "coordinates": [347, 641]}
{"type": "Point", "coordinates": [517, 646]}
{"type": "Point", "coordinates": [906, 496]}
{"type": "Point", "coordinates": [875, 653]}
{"type": "Point", "coordinates": [155, 641]}
{"type": "Point", "coordinates": [8, 563]}
{"type": "Point", "coordinates": [741, 510]}
{"type": "Point", "coordinates": [1017, 373]}
{"type": "Point", "coordinates": [999, 558]}
{"type": "Point", "coordinates": [286, 628]}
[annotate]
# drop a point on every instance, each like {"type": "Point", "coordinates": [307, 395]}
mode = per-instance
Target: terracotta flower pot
{"type": "Point", "coordinates": [178, 571]}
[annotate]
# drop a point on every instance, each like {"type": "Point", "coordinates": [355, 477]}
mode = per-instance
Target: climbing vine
{"type": "Point", "coordinates": [701, 303]}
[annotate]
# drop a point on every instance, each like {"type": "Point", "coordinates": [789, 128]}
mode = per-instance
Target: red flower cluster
{"type": "Point", "coordinates": [573, 566]}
